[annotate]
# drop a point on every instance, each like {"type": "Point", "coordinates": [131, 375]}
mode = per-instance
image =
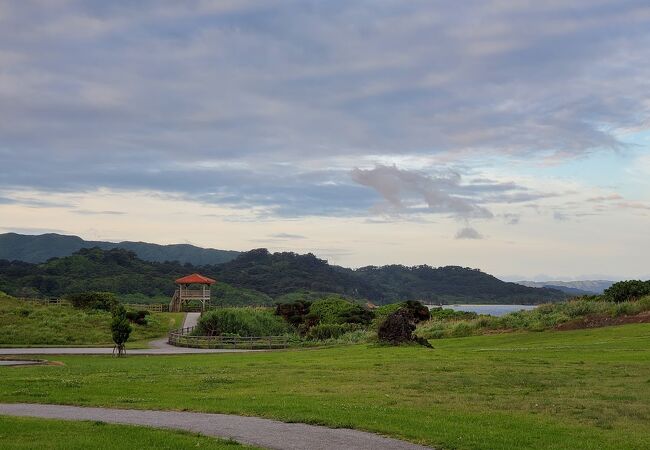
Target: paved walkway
{"type": "Point", "coordinates": [191, 319]}
{"type": "Point", "coordinates": [247, 430]}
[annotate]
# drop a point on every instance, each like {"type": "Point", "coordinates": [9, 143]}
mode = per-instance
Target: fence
{"type": "Point", "coordinates": [153, 307]}
{"type": "Point", "coordinates": [47, 301]}
{"type": "Point", "coordinates": [182, 338]}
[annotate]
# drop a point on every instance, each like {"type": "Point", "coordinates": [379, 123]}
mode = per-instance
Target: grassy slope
{"type": "Point", "coordinates": [29, 433]}
{"type": "Point", "coordinates": [578, 389]}
{"type": "Point", "coordinates": [24, 324]}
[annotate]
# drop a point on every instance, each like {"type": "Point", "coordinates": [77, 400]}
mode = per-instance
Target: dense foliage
{"type": "Point", "coordinates": [138, 317]}
{"type": "Point", "coordinates": [630, 290]}
{"type": "Point", "coordinates": [241, 322]}
{"type": "Point", "coordinates": [258, 277]}
{"type": "Point", "coordinates": [105, 301]}
{"type": "Point", "coordinates": [335, 310]}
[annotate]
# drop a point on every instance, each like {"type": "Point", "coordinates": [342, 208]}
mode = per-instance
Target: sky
{"type": "Point", "coordinates": [510, 136]}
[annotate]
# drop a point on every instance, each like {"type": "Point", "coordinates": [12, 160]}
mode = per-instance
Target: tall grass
{"type": "Point", "coordinates": [544, 317]}
{"type": "Point", "coordinates": [241, 322]}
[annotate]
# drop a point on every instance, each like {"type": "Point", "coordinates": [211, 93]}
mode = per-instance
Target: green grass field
{"type": "Point", "coordinates": [28, 433]}
{"type": "Point", "coordinates": [554, 390]}
{"type": "Point", "coordinates": [32, 324]}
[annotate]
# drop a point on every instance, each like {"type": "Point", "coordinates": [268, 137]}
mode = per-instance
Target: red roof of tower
{"type": "Point", "coordinates": [195, 278]}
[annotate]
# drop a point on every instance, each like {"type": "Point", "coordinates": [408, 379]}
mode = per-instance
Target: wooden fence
{"type": "Point", "coordinates": [183, 338]}
{"type": "Point", "coordinates": [152, 307]}
{"type": "Point", "coordinates": [47, 301]}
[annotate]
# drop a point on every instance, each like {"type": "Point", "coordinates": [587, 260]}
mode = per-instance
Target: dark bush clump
{"type": "Point", "coordinates": [93, 300]}
{"type": "Point", "coordinates": [399, 326]}
{"type": "Point", "coordinates": [420, 312]}
{"type": "Point", "coordinates": [293, 312]}
{"type": "Point", "coordinates": [137, 317]}
{"type": "Point", "coordinates": [624, 291]}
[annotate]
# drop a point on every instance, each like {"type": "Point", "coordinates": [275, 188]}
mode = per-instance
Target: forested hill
{"type": "Point", "coordinates": [40, 248]}
{"type": "Point", "coordinates": [259, 275]}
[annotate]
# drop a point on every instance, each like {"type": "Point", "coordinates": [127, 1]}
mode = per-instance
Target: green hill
{"type": "Point", "coordinates": [40, 248]}
{"type": "Point", "coordinates": [258, 276]}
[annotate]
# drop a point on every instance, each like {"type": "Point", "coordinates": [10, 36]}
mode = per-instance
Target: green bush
{"type": "Point", "coordinates": [384, 311]}
{"type": "Point", "coordinates": [325, 331]}
{"type": "Point", "coordinates": [241, 322]}
{"type": "Point", "coordinates": [627, 290]}
{"type": "Point", "coordinates": [120, 328]}
{"type": "Point", "coordinates": [293, 312]}
{"type": "Point", "coordinates": [138, 317]}
{"type": "Point", "coordinates": [450, 314]}
{"type": "Point", "coordinates": [105, 301]}
{"type": "Point", "coordinates": [339, 310]}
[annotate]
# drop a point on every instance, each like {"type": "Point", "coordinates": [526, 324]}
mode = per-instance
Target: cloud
{"type": "Point", "coordinates": [404, 190]}
{"type": "Point", "coordinates": [87, 212]}
{"type": "Point", "coordinates": [255, 104]}
{"type": "Point", "coordinates": [605, 198]}
{"type": "Point", "coordinates": [468, 233]}
{"type": "Point", "coordinates": [560, 216]}
{"type": "Point", "coordinates": [511, 219]}
{"type": "Point", "coordinates": [287, 236]}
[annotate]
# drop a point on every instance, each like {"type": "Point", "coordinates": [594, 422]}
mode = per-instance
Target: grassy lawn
{"type": "Point", "coordinates": [556, 390]}
{"type": "Point", "coordinates": [28, 433]}
{"type": "Point", "coordinates": [31, 324]}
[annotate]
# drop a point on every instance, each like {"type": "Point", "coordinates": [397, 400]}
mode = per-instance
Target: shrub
{"type": "Point", "coordinates": [241, 322]}
{"type": "Point", "coordinates": [398, 329]}
{"type": "Point", "coordinates": [384, 311]}
{"type": "Point", "coordinates": [93, 300]}
{"type": "Point", "coordinates": [293, 312]}
{"type": "Point", "coordinates": [137, 317]}
{"type": "Point", "coordinates": [339, 310]}
{"type": "Point", "coordinates": [450, 314]}
{"type": "Point", "coordinates": [120, 329]}
{"type": "Point", "coordinates": [627, 290]}
{"type": "Point", "coordinates": [419, 312]}
{"type": "Point", "coordinates": [325, 331]}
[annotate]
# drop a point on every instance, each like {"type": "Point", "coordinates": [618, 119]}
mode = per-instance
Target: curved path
{"type": "Point", "coordinates": [247, 430]}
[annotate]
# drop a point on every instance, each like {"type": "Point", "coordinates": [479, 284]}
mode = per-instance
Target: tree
{"type": "Point", "coordinates": [627, 290]}
{"type": "Point", "coordinates": [120, 329]}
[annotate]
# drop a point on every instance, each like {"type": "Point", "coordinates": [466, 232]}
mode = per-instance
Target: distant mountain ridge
{"type": "Point", "coordinates": [259, 277]}
{"type": "Point", "coordinates": [581, 287]}
{"type": "Point", "coordinates": [40, 248]}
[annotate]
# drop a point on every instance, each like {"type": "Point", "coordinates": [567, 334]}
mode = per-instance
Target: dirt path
{"type": "Point", "coordinates": [248, 430]}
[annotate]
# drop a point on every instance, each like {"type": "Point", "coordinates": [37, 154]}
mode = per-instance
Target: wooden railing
{"type": "Point", "coordinates": [153, 307]}
{"type": "Point", "coordinates": [194, 293]}
{"type": "Point", "coordinates": [183, 338]}
{"type": "Point", "coordinates": [47, 301]}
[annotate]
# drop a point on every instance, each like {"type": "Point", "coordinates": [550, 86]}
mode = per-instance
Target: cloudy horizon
{"type": "Point", "coordinates": [509, 136]}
